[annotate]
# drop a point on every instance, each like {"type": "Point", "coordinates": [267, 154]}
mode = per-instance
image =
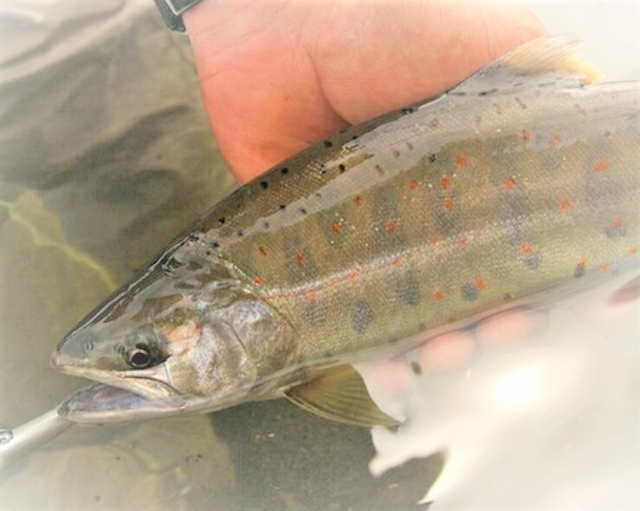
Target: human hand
{"type": "Point", "coordinates": [280, 75]}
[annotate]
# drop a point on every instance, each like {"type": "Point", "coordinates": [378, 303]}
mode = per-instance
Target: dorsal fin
{"type": "Point", "coordinates": [543, 61]}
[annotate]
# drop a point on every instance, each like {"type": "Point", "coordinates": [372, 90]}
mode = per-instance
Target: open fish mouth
{"type": "Point", "coordinates": [106, 403]}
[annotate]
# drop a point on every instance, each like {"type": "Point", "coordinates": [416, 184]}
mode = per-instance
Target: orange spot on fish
{"type": "Point", "coordinates": [601, 165]}
{"type": "Point", "coordinates": [481, 284]}
{"type": "Point", "coordinates": [300, 260]}
{"type": "Point", "coordinates": [617, 222]}
{"type": "Point", "coordinates": [438, 294]}
{"type": "Point", "coordinates": [554, 140]}
{"type": "Point", "coordinates": [582, 263]}
{"type": "Point", "coordinates": [510, 183]}
{"type": "Point", "coordinates": [381, 170]}
{"type": "Point", "coordinates": [352, 275]}
{"type": "Point", "coordinates": [262, 250]}
{"type": "Point", "coordinates": [312, 294]}
{"type": "Point", "coordinates": [446, 182]}
{"type": "Point", "coordinates": [526, 135]}
{"type": "Point", "coordinates": [526, 249]}
{"type": "Point", "coordinates": [257, 281]}
{"type": "Point", "coordinates": [605, 267]}
{"type": "Point", "coordinates": [336, 228]}
{"type": "Point", "coordinates": [438, 241]}
{"type": "Point", "coordinates": [462, 161]}
{"type": "Point", "coordinates": [397, 261]}
{"type": "Point", "coordinates": [414, 185]}
{"type": "Point", "coordinates": [463, 241]}
{"type": "Point", "coordinates": [564, 205]}
{"type": "Point", "coordinates": [633, 250]}
{"type": "Point", "coordinates": [449, 203]}
{"type": "Point", "coordinates": [392, 226]}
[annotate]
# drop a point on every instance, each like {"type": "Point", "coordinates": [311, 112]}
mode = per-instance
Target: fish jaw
{"type": "Point", "coordinates": [149, 384]}
{"type": "Point", "coordinates": [105, 403]}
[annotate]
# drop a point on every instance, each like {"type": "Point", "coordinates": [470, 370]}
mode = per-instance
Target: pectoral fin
{"type": "Point", "coordinates": [339, 394]}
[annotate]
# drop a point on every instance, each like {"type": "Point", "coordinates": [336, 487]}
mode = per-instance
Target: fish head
{"type": "Point", "coordinates": [180, 337]}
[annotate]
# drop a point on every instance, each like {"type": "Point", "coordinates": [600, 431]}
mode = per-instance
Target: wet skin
{"type": "Point", "coordinates": [344, 65]}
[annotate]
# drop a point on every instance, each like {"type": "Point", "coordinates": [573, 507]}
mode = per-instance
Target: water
{"type": "Point", "coordinates": [106, 155]}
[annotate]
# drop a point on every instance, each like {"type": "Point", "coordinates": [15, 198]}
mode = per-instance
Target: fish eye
{"type": "Point", "coordinates": [139, 357]}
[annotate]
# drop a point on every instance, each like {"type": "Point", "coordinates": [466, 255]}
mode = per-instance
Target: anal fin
{"type": "Point", "coordinates": [339, 394]}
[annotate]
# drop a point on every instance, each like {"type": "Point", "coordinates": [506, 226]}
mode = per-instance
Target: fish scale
{"type": "Point", "coordinates": [522, 180]}
{"type": "Point", "coordinates": [452, 243]}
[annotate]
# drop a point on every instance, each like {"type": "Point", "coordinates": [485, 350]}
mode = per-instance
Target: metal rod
{"type": "Point", "coordinates": [17, 442]}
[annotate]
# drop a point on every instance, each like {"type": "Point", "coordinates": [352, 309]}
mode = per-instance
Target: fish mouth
{"type": "Point", "coordinates": [148, 384]}
{"type": "Point", "coordinates": [101, 403]}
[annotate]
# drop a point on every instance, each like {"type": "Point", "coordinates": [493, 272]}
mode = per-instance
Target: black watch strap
{"type": "Point", "coordinates": [171, 11]}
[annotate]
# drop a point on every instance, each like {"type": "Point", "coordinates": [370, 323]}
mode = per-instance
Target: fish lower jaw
{"type": "Point", "coordinates": [143, 386]}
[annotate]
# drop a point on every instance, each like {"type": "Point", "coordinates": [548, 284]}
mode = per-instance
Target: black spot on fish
{"type": "Point", "coordinates": [469, 292]}
{"type": "Point", "coordinates": [284, 171]}
{"type": "Point", "coordinates": [579, 271]}
{"type": "Point", "coordinates": [487, 92]}
{"type": "Point", "coordinates": [416, 368]}
{"type": "Point", "coordinates": [316, 314]}
{"type": "Point", "coordinates": [456, 93]}
{"type": "Point", "coordinates": [303, 211]}
{"type": "Point", "coordinates": [432, 157]}
{"type": "Point", "coordinates": [215, 244]}
{"type": "Point", "coordinates": [406, 110]}
{"type": "Point", "coordinates": [341, 168]}
{"type": "Point", "coordinates": [521, 103]}
{"type": "Point", "coordinates": [533, 262]}
{"type": "Point", "coordinates": [222, 220]}
{"type": "Point", "coordinates": [283, 207]}
{"type": "Point", "coordinates": [408, 288]}
{"type": "Point", "coordinates": [615, 232]}
{"type": "Point", "coordinates": [192, 236]}
{"type": "Point", "coordinates": [240, 234]}
{"type": "Point", "coordinates": [354, 137]}
{"type": "Point", "coordinates": [508, 297]}
{"type": "Point", "coordinates": [266, 225]}
{"type": "Point", "coordinates": [362, 316]}
{"type": "Point", "coordinates": [264, 184]}
{"type": "Point", "coordinates": [328, 143]}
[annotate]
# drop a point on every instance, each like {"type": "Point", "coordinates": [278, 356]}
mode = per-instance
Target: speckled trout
{"type": "Point", "coordinates": [522, 181]}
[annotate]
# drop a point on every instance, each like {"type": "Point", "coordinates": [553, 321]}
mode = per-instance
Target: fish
{"type": "Point", "coordinates": [519, 183]}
